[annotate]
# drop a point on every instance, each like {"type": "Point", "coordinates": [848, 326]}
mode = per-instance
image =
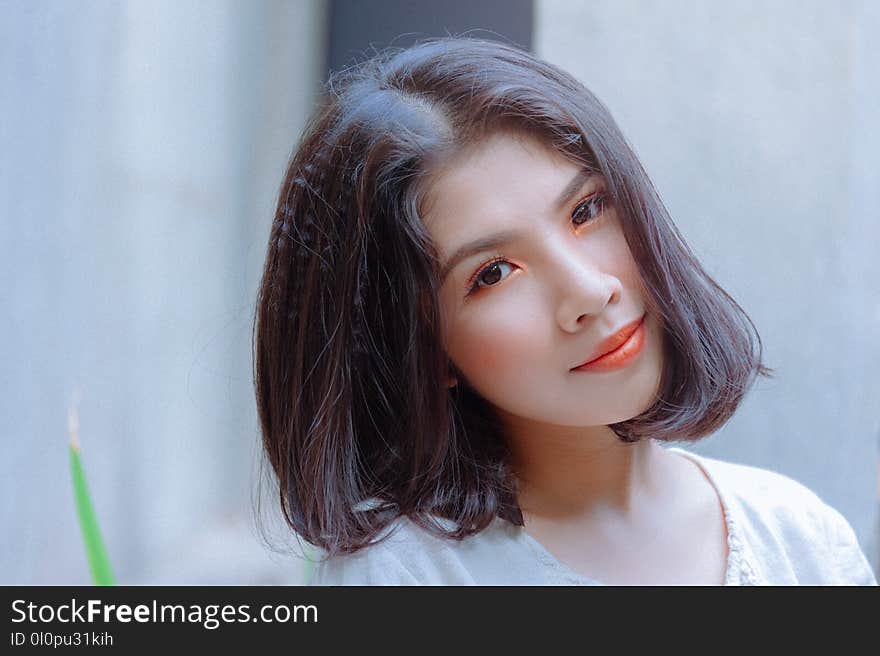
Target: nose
{"type": "Point", "coordinates": [583, 290]}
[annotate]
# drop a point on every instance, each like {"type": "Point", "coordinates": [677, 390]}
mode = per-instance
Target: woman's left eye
{"type": "Point", "coordinates": [590, 208]}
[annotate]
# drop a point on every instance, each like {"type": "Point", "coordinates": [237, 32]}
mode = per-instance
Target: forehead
{"type": "Point", "coordinates": [504, 176]}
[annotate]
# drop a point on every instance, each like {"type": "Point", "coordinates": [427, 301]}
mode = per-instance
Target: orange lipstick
{"type": "Point", "coordinates": [620, 349]}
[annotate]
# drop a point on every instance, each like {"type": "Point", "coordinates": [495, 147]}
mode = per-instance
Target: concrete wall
{"type": "Point", "coordinates": [142, 147]}
{"type": "Point", "coordinates": [758, 123]}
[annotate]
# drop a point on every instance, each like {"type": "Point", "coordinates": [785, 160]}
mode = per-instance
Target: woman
{"type": "Point", "coordinates": [476, 327]}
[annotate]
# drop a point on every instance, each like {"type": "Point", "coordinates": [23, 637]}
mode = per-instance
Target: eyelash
{"type": "Point", "coordinates": [598, 200]}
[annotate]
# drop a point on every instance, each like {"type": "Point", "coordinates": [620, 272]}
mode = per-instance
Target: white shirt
{"type": "Point", "coordinates": [778, 533]}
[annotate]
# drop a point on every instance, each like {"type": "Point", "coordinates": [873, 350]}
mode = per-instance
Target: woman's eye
{"type": "Point", "coordinates": [489, 275]}
{"type": "Point", "coordinates": [588, 209]}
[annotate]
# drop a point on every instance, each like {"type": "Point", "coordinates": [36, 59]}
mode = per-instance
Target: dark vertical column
{"type": "Point", "coordinates": [357, 28]}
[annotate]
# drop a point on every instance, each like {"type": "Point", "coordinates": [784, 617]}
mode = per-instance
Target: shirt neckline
{"type": "Point", "coordinates": [735, 560]}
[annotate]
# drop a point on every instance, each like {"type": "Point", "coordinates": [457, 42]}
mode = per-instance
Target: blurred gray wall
{"type": "Point", "coordinates": [759, 124]}
{"type": "Point", "coordinates": [358, 28]}
{"type": "Point", "coordinates": [142, 145]}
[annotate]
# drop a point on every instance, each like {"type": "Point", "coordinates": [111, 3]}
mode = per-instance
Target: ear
{"type": "Point", "coordinates": [453, 374]}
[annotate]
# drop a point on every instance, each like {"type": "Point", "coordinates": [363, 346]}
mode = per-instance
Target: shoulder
{"type": "Point", "coordinates": [780, 515]}
{"type": "Point", "coordinates": [768, 492]}
{"type": "Point", "coordinates": [405, 554]}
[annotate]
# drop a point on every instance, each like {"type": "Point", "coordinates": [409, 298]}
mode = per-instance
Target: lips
{"type": "Point", "coordinates": [614, 341]}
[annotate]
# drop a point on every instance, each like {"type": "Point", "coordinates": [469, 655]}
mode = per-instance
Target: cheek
{"type": "Point", "coordinates": [495, 344]}
{"type": "Point", "coordinates": [617, 259]}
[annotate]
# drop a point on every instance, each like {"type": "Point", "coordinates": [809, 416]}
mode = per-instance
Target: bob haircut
{"type": "Point", "coordinates": [349, 366]}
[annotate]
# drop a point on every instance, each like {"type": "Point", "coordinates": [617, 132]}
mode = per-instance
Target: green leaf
{"type": "Point", "coordinates": [309, 567]}
{"type": "Point", "coordinates": [102, 574]}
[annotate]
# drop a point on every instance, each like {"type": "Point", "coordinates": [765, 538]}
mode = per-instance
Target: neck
{"type": "Point", "coordinates": [572, 473]}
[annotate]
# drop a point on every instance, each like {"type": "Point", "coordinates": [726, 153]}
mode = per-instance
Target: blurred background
{"type": "Point", "coordinates": [142, 144]}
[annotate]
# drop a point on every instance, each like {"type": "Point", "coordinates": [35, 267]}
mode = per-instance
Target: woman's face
{"type": "Point", "coordinates": [562, 281]}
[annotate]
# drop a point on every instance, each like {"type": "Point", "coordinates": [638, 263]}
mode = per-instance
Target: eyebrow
{"type": "Point", "coordinates": [504, 237]}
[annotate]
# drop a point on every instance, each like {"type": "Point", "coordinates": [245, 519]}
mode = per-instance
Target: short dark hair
{"type": "Point", "coordinates": [349, 367]}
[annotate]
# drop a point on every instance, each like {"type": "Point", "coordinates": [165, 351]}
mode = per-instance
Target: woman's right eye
{"type": "Point", "coordinates": [489, 275]}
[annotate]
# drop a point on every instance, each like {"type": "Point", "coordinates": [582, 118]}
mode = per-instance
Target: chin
{"type": "Point", "coordinates": [608, 418]}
